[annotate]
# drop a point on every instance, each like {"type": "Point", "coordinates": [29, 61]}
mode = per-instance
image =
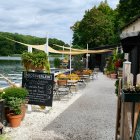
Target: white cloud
{"type": "Point", "coordinates": [37, 17]}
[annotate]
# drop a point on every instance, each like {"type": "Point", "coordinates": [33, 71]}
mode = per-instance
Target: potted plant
{"type": "Point", "coordinates": [37, 61]}
{"type": "Point", "coordinates": [15, 117]}
{"type": "Point", "coordinates": [26, 59]}
{"type": "Point", "coordinates": [73, 77]}
{"type": "Point", "coordinates": [131, 93]}
{"type": "Point", "coordinates": [113, 75]}
{"type": "Point", "coordinates": [15, 92]}
{"type": "Point", "coordinates": [62, 79]}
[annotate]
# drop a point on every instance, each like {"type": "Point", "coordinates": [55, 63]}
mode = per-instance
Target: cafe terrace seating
{"type": "Point", "coordinates": [73, 81]}
{"type": "Point", "coordinates": [62, 88]}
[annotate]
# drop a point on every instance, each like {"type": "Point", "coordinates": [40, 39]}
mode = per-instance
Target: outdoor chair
{"type": "Point", "coordinates": [73, 81]}
{"type": "Point", "coordinates": [55, 93]}
{"type": "Point", "coordinates": [96, 70]}
{"type": "Point", "coordinates": [63, 88]}
{"type": "Point", "coordinates": [81, 81]}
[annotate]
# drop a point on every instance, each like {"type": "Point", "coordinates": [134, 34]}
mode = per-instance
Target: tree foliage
{"type": "Point", "coordinates": [96, 28]}
{"type": "Point", "coordinates": [127, 10]}
{"type": "Point", "coordinates": [8, 47]}
{"type": "Point", "coordinates": [101, 25]}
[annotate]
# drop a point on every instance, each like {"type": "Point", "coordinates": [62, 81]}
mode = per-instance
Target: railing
{"type": "Point", "coordinates": [128, 116]}
{"type": "Point", "coordinates": [10, 58]}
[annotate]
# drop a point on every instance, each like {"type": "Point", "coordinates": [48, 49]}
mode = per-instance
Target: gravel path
{"type": "Point", "coordinates": [88, 115]}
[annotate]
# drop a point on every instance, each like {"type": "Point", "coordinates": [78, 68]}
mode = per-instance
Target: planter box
{"type": "Point", "coordinates": [130, 97]}
{"type": "Point", "coordinates": [113, 76]}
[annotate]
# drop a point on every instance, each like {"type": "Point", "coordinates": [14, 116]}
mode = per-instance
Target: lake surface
{"type": "Point", "coordinates": [13, 71]}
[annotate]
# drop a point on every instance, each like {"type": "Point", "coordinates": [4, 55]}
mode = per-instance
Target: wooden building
{"type": "Point", "coordinates": [128, 105]}
{"type": "Point", "coordinates": [130, 40]}
{"type": "Point", "coordinates": [99, 60]}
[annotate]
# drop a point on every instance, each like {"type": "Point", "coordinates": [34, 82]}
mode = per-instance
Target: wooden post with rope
{"type": "Point", "coordinates": [8, 81]}
{"type": "Point", "coordinates": [118, 115]}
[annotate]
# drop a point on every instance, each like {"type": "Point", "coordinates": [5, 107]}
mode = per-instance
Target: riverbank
{"type": "Point", "coordinates": [90, 114]}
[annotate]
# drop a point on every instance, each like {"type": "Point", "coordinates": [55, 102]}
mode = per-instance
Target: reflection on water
{"type": "Point", "coordinates": [13, 71]}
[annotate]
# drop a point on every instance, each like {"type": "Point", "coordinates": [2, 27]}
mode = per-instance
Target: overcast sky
{"type": "Point", "coordinates": [39, 17]}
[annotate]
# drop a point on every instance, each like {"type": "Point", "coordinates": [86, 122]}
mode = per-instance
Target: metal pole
{"type": "Point", "coordinates": [63, 51]}
{"type": "Point", "coordinates": [46, 46]}
{"type": "Point", "coordinates": [87, 58]}
{"type": "Point", "coordinates": [70, 57]}
{"type": "Point", "coordinates": [29, 107]}
{"type": "Point", "coordinates": [30, 49]}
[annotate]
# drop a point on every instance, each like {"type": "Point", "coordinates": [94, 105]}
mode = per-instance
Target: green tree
{"type": "Point", "coordinates": [57, 63]}
{"type": "Point", "coordinates": [96, 28]}
{"type": "Point", "coordinates": [127, 10]}
{"type": "Point", "coordinates": [8, 47]}
{"type": "Point", "coordinates": [77, 63]}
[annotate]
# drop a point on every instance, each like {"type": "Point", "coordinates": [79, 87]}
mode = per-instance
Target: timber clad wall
{"type": "Point", "coordinates": [135, 26]}
{"type": "Point", "coordinates": [131, 44]}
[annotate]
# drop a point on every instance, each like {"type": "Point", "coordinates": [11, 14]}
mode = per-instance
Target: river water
{"type": "Point", "coordinates": [13, 71]}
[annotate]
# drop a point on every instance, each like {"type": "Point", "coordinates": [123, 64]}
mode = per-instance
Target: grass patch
{"type": "Point", "coordinates": [4, 137]}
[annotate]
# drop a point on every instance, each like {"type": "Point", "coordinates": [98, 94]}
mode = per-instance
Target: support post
{"type": "Point", "coordinates": [30, 49]}
{"type": "Point", "coordinates": [87, 58]}
{"type": "Point", "coordinates": [126, 72]}
{"type": "Point", "coordinates": [63, 51]}
{"type": "Point", "coordinates": [29, 107]}
{"type": "Point", "coordinates": [70, 57]}
{"type": "Point", "coordinates": [46, 46]}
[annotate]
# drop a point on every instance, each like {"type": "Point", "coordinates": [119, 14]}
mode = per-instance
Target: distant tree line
{"type": "Point", "coordinates": [8, 47]}
{"type": "Point", "coordinates": [101, 25]}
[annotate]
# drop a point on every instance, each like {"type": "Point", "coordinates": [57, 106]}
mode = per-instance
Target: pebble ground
{"type": "Point", "coordinates": [89, 115]}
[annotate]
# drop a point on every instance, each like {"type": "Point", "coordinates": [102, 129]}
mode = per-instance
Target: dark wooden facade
{"type": "Point", "coordinates": [98, 60]}
{"type": "Point", "coordinates": [131, 45]}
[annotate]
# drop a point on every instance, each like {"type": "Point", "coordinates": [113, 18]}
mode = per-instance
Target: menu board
{"type": "Point", "coordinates": [39, 86]}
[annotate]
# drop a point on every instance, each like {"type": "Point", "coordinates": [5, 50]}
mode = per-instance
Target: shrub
{"type": "Point", "coordinates": [14, 104]}
{"type": "Point", "coordinates": [77, 63]}
{"type": "Point", "coordinates": [14, 92]}
{"type": "Point", "coordinates": [62, 77]}
{"type": "Point", "coordinates": [116, 86]}
{"type": "Point", "coordinates": [57, 62]}
{"type": "Point", "coordinates": [35, 61]}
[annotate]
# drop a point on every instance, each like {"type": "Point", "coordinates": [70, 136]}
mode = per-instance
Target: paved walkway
{"type": "Point", "coordinates": [91, 117]}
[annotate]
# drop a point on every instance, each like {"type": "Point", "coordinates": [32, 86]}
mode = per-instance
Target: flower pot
{"type": "Point", "coordinates": [62, 82]}
{"type": "Point", "coordinates": [108, 75]}
{"type": "Point", "coordinates": [7, 112]}
{"type": "Point", "coordinates": [14, 120]}
{"type": "Point", "coordinates": [113, 76]}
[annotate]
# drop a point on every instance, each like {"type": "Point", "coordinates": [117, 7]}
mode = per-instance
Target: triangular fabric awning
{"type": "Point", "coordinates": [51, 50]}
{"type": "Point", "coordinates": [84, 50]}
{"type": "Point", "coordinates": [42, 48]}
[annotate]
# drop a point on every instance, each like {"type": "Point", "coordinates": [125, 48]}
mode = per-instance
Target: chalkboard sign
{"type": "Point", "coordinates": [39, 86]}
{"type": "Point", "coordinates": [137, 130]}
